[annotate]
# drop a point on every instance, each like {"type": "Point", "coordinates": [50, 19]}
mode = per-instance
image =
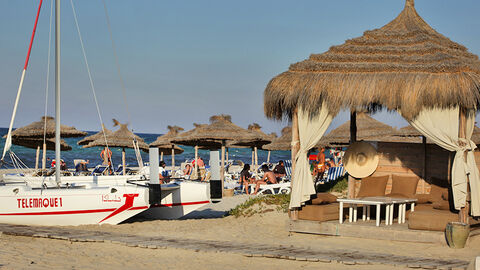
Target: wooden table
{"type": "Point", "coordinates": [378, 202]}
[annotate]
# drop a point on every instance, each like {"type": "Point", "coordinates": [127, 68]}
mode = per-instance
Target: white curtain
{"type": "Point", "coordinates": [310, 129]}
{"type": "Point", "coordinates": [441, 126]}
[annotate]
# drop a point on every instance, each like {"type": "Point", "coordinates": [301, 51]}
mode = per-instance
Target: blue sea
{"type": "Point", "coordinates": [27, 155]}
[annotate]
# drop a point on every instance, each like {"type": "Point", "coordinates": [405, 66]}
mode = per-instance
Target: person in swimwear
{"type": "Point", "coordinates": [268, 178]}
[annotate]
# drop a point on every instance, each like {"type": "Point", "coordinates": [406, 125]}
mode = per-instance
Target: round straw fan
{"type": "Point", "coordinates": [360, 159]}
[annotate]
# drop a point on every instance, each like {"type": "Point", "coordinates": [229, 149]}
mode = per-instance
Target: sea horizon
{"type": "Point", "coordinates": [27, 155]}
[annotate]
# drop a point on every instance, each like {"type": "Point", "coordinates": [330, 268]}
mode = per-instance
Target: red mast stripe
{"type": "Point", "coordinates": [33, 35]}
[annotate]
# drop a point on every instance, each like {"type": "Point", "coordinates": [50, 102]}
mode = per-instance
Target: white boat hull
{"type": "Point", "coordinates": [71, 206]}
{"type": "Point", "coordinates": [179, 198]}
{"type": "Point", "coordinates": [178, 202]}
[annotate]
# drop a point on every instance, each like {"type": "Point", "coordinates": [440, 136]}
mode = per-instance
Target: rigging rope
{"type": "Point", "coordinates": [117, 62]}
{"type": "Point", "coordinates": [90, 77]}
{"type": "Point", "coordinates": [46, 88]}
{"type": "Point", "coordinates": [124, 91]}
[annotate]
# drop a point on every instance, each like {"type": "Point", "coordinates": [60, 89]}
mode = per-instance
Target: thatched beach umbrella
{"type": "Point", "coordinates": [196, 147]}
{"type": "Point", "coordinates": [405, 66]}
{"type": "Point", "coordinates": [367, 128]}
{"type": "Point", "coordinates": [34, 143]}
{"type": "Point", "coordinates": [281, 143]}
{"type": "Point", "coordinates": [165, 146]}
{"type": "Point", "coordinates": [122, 138]}
{"type": "Point", "coordinates": [254, 144]}
{"type": "Point", "coordinates": [95, 136]}
{"type": "Point", "coordinates": [220, 130]}
{"type": "Point", "coordinates": [44, 127]}
{"type": "Point", "coordinates": [36, 130]}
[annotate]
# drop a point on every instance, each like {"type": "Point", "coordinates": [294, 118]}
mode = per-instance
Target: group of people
{"type": "Point", "coordinates": [190, 169]}
{"type": "Point", "coordinates": [269, 177]}
{"type": "Point", "coordinates": [321, 164]}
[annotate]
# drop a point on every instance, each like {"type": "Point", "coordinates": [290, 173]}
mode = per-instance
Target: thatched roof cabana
{"type": "Point", "coordinates": [122, 138]}
{"type": "Point", "coordinates": [281, 143]}
{"type": "Point", "coordinates": [36, 130]}
{"type": "Point", "coordinates": [405, 65]}
{"type": "Point", "coordinates": [163, 142]}
{"type": "Point", "coordinates": [95, 136]}
{"type": "Point", "coordinates": [367, 128]}
{"type": "Point", "coordinates": [34, 143]}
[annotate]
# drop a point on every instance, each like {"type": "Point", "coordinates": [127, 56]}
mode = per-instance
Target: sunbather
{"type": "Point", "coordinates": [246, 178]}
{"type": "Point", "coordinates": [268, 178]}
{"type": "Point", "coordinates": [279, 170]}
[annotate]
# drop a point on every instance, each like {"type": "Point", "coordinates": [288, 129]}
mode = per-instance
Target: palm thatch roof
{"type": "Point", "coordinates": [367, 129]}
{"type": "Point", "coordinates": [36, 130]}
{"type": "Point", "coordinates": [95, 136]}
{"type": "Point", "coordinates": [405, 65]}
{"type": "Point", "coordinates": [122, 138]}
{"type": "Point", "coordinates": [163, 142]}
{"type": "Point", "coordinates": [220, 129]}
{"type": "Point", "coordinates": [283, 142]}
{"type": "Point", "coordinates": [257, 142]}
{"type": "Point", "coordinates": [33, 143]}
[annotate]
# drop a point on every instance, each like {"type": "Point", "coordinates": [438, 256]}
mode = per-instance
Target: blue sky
{"type": "Point", "coordinates": [183, 61]}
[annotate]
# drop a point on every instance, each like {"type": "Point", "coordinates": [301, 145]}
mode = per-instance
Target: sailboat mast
{"type": "Point", "coordinates": [57, 91]}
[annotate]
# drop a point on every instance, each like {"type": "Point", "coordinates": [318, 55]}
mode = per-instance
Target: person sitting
{"type": "Point", "coordinates": [163, 174]}
{"type": "Point", "coordinates": [63, 165]}
{"type": "Point", "coordinates": [268, 178]}
{"type": "Point", "coordinates": [81, 166]}
{"type": "Point", "coordinates": [188, 170]}
{"type": "Point", "coordinates": [246, 178]}
{"type": "Point", "coordinates": [279, 170]}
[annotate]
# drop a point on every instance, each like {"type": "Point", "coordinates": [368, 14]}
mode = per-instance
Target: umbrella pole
{"type": "Point", "coordinates": [226, 154]}
{"type": "Point", "coordinates": [256, 158]}
{"type": "Point", "coordinates": [36, 157]}
{"type": "Point", "coordinates": [123, 161]}
{"type": "Point", "coordinates": [44, 157]}
{"type": "Point", "coordinates": [173, 160]}
{"type": "Point", "coordinates": [253, 160]}
{"type": "Point", "coordinates": [161, 156]}
{"type": "Point", "coordinates": [222, 167]}
{"type": "Point", "coordinates": [196, 163]}
{"type": "Point", "coordinates": [268, 157]}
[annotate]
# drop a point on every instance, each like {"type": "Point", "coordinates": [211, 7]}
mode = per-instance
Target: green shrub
{"type": "Point", "coordinates": [246, 209]}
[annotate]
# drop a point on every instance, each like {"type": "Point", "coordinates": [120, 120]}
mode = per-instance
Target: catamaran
{"type": "Point", "coordinates": [92, 199]}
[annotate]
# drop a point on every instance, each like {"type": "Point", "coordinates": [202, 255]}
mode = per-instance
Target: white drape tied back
{"type": "Point", "coordinates": [441, 126]}
{"type": "Point", "coordinates": [311, 130]}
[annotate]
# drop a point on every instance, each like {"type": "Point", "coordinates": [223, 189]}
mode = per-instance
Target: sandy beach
{"type": "Point", "coordinates": [208, 224]}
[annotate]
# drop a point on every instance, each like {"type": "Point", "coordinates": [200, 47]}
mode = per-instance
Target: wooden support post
{"type": "Point", "coordinates": [161, 156]}
{"type": "Point", "coordinates": [226, 153]}
{"type": "Point", "coordinates": [268, 157]}
{"type": "Point", "coordinates": [295, 149]}
{"type": "Point", "coordinates": [256, 158]}
{"type": "Point", "coordinates": [253, 161]}
{"type": "Point", "coordinates": [124, 170]}
{"type": "Point", "coordinates": [424, 142]}
{"type": "Point", "coordinates": [222, 167]}
{"type": "Point", "coordinates": [173, 160]}
{"type": "Point", "coordinates": [37, 155]}
{"type": "Point", "coordinates": [196, 163]}
{"type": "Point", "coordinates": [353, 138]}
{"type": "Point", "coordinates": [462, 128]}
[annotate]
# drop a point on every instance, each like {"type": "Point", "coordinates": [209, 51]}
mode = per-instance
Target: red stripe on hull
{"type": "Point", "coordinates": [70, 212]}
{"type": "Point", "coordinates": [179, 204]}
